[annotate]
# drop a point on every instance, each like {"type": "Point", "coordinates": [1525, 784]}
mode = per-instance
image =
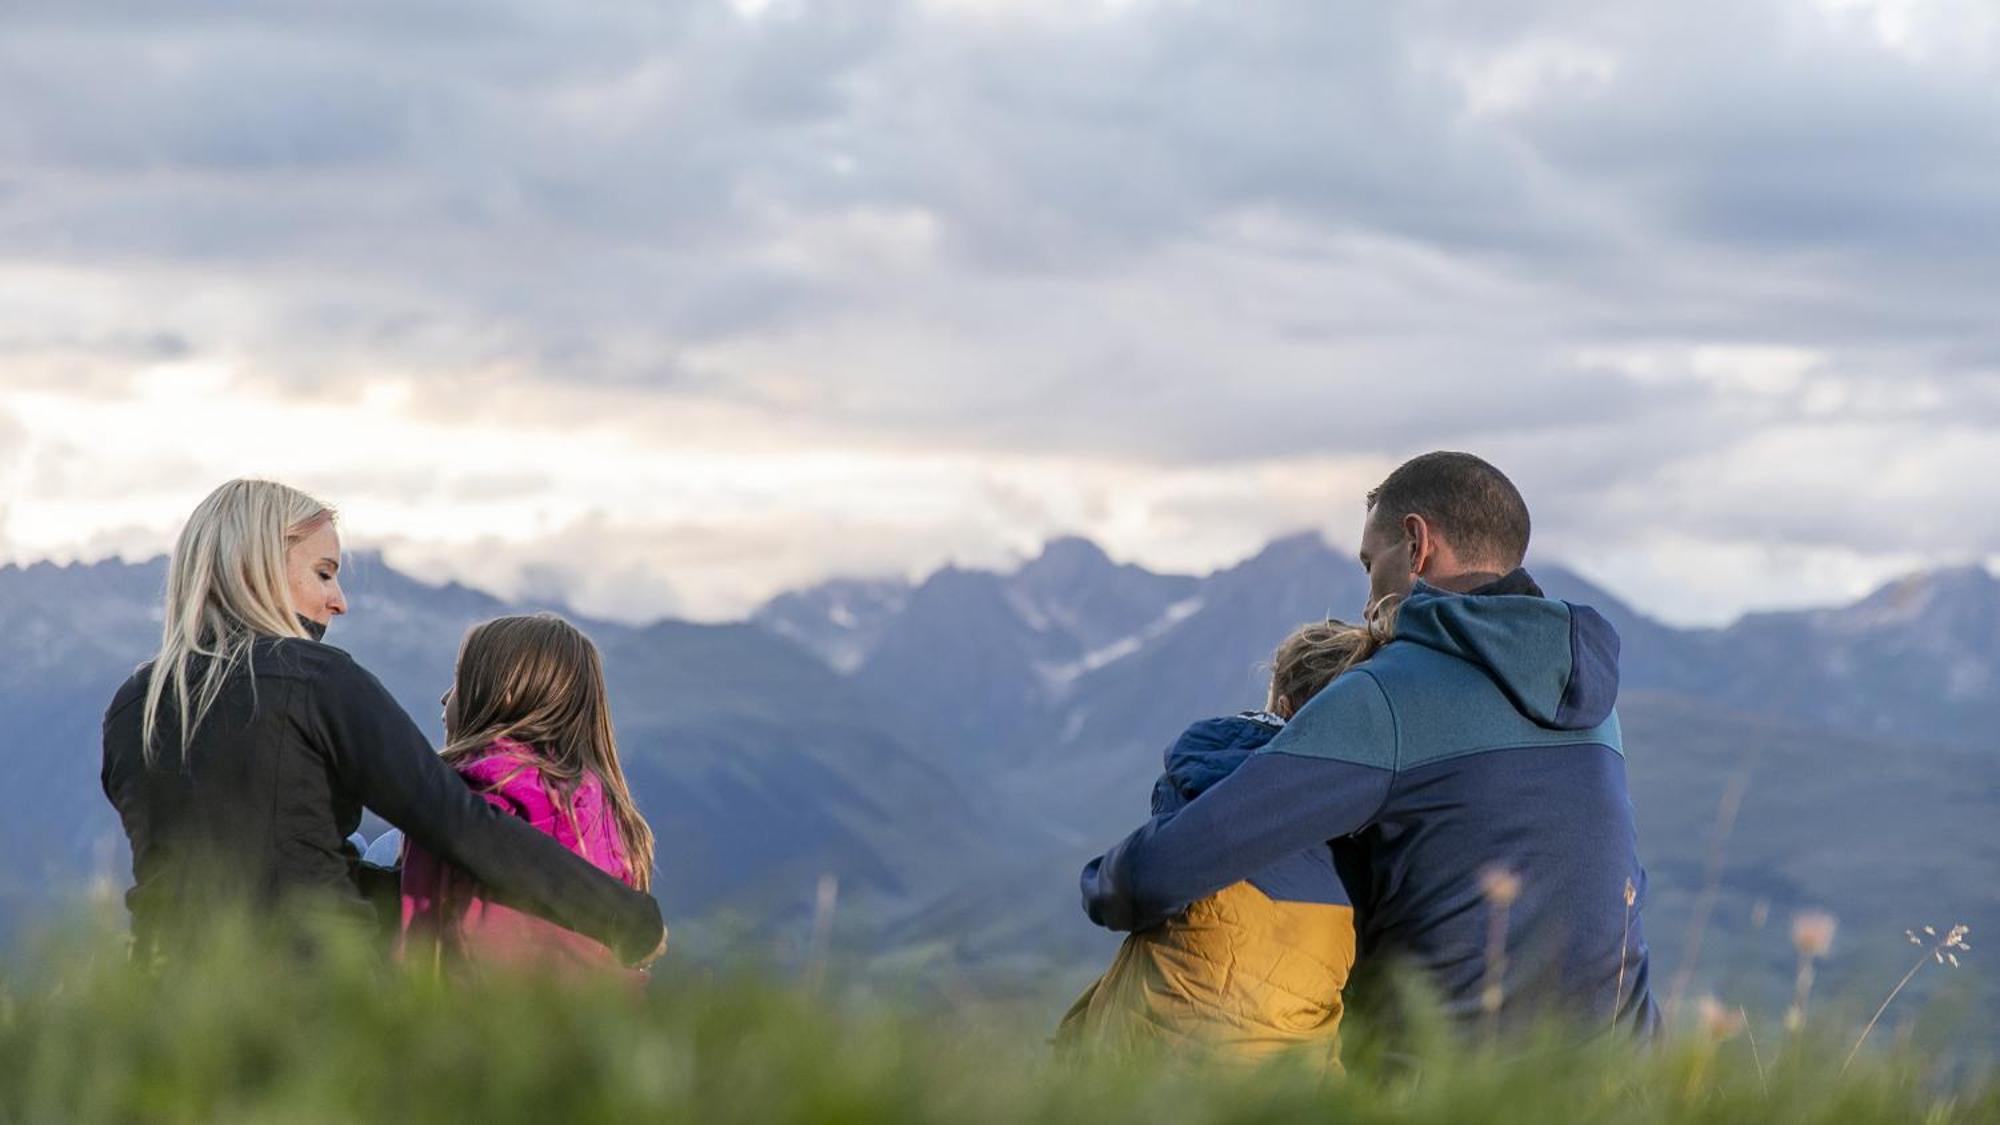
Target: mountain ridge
{"type": "Point", "coordinates": [1885, 651]}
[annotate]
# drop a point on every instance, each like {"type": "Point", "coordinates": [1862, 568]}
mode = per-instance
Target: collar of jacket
{"type": "Point", "coordinates": [313, 629]}
{"type": "Point", "coordinates": [1517, 583]}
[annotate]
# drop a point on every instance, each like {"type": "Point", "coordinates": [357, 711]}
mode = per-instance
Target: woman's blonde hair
{"type": "Point", "coordinates": [1316, 654]}
{"type": "Point", "coordinates": [226, 587]}
{"type": "Point", "coordinates": [536, 679]}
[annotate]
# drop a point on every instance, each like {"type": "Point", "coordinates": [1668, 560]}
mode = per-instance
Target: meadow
{"type": "Point", "coordinates": [255, 1030]}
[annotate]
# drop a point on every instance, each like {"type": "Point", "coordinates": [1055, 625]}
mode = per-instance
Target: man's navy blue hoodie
{"type": "Point", "coordinates": [1484, 737]}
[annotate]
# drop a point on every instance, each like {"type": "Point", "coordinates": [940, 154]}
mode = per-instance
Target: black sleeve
{"type": "Point", "coordinates": [380, 753]}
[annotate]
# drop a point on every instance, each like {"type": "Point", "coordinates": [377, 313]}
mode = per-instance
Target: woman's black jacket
{"type": "Point", "coordinates": [260, 805]}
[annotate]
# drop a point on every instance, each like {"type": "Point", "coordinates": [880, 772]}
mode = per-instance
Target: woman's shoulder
{"type": "Point", "coordinates": [268, 658]}
{"type": "Point", "coordinates": [302, 658]}
{"type": "Point", "coordinates": [328, 676]}
{"type": "Point", "coordinates": [131, 692]}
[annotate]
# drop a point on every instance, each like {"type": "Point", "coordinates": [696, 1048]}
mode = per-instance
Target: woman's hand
{"type": "Point", "coordinates": [659, 950]}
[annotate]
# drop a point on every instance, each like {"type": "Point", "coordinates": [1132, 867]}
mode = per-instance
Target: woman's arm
{"type": "Point", "coordinates": [389, 764]}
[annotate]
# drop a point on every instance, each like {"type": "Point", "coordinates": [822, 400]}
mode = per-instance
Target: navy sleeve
{"type": "Point", "coordinates": [1326, 775]}
{"type": "Point", "coordinates": [380, 753]}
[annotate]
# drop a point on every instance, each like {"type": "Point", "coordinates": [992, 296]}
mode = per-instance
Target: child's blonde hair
{"type": "Point", "coordinates": [1316, 654]}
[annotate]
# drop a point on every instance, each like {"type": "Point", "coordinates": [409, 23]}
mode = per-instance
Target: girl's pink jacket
{"type": "Point", "coordinates": [445, 912]}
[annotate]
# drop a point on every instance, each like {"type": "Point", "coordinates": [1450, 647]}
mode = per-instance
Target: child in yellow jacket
{"type": "Point", "coordinates": [1257, 968]}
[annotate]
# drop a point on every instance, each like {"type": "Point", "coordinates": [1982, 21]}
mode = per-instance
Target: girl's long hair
{"type": "Point", "coordinates": [536, 679]}
{"type": "Point", "coordinates": [1316, 654]}
{"type": "Point", "coordinates": [226, 587]}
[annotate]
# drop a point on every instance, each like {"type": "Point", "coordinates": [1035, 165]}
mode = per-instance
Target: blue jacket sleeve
{"type": "Point", "coordinates": [1326, 775]}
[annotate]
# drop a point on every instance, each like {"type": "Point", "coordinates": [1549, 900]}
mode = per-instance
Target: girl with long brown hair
{"type": "Point", "coordinates": [528, 726]}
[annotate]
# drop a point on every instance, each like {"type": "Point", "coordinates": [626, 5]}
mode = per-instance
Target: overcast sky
{"type": "Point", "coordinates": [664, 307]}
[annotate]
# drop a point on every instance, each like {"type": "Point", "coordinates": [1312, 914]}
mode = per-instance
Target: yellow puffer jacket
{"type": "Point", "coordinates": [1236, 974]}
{"type": "Point", "coordinates": [1250, 971]}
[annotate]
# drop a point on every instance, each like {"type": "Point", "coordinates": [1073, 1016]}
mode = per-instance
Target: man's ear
{"type": "Point", "coordinates": [1423, 544]}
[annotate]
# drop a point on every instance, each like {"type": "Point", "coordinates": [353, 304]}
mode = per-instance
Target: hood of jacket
{"type": "Point", "coordinates": [1557, 662]}
{"type": "Point", "coordinates": [1209, 751]}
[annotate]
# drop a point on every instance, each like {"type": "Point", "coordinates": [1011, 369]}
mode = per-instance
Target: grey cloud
{"type": "Point", "coordinates": [1751, 135]}
{"type": "Point", "coordinates": [1063, 144]}
{"type": "Point", "coordinates": [138, 344]}
{"type": "Point", "coordinates": [1835, 192]}
{"type": "Point", "coordinates": [625, 196]}
{"type": "Point", "coordinates": [1043, 147]}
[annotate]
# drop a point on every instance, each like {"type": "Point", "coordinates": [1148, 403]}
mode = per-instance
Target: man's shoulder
{"type": "Point", "coordinates": [1404, 668]}
{"type": "Point", "coordinates": [1350, 720]}
{"type": "Point", "coordinates": [1448, 707]}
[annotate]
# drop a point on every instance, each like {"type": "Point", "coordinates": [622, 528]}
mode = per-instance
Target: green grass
{"type": "Point", "coordinates": [256, 1033]}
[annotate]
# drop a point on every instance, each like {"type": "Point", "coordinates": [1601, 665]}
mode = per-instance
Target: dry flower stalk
{"type": "Point", "coordinates": [1624, 948]}
{"type": "Point", "coordinates": [1501, 887]}
{"type": "Point", "coordinates": [1812, 936]}
{"type": "Point", "coordinates": [1942, 949]}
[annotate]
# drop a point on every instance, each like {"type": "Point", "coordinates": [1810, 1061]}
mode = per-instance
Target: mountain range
{"type": "Point", "coordinates": [950, 750]}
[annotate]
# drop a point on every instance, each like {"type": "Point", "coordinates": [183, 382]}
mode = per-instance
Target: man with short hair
{"type": "Point", "coordinates": [1472, 773]}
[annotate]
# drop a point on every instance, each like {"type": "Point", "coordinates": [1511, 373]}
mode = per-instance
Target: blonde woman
{"type": "Point", "coordinates": [240, 757]}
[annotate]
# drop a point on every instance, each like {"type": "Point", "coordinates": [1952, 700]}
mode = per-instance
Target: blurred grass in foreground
{"type": "Point", "coordinates": [253, 1031]}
